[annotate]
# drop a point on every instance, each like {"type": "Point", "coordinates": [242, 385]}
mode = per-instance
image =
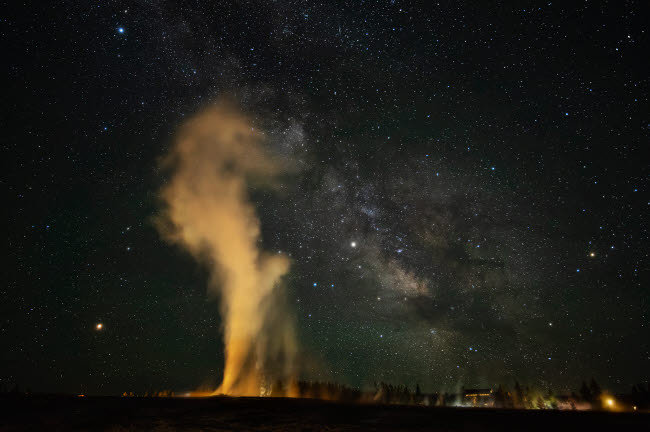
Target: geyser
{"type": "Point", "coordinates": [207, 211]}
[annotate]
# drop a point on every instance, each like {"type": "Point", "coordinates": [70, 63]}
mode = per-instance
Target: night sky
{"type": "Point", "coordinates": [468, 203]}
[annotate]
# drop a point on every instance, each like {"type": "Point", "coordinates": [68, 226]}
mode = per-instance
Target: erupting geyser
{"type": "Point", "coordinates": [207, 211]}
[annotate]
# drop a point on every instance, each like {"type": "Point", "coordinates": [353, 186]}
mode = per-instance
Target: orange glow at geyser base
{"type": "Point", "coordinates": [207, 211]}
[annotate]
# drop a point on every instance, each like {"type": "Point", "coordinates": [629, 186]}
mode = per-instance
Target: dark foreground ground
{"type": "Point", "coordinates": [57, 413]}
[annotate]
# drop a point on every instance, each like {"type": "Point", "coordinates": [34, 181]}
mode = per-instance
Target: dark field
{"type": "Point", "coordinates": [256, 414]}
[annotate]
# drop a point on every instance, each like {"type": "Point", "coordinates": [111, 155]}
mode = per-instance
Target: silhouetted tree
{"type": "Point", "coordinates": [500, 397]}
{"type": "Point", "coordinates": [518, 396]}
{"type": "Point", "coordinates": [585, 392]}
{"type": "Point", "coordinates": [595, 389]}
{"type": "Point", "coordinates": [596, 393]}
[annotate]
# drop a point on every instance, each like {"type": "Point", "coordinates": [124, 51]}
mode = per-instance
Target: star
{"type": "Point", "coordinates": [99, 326]}
{"type": "Point", "coordinates": [120, 30]}
{"type": "Point", "coordinates": [353, 244]}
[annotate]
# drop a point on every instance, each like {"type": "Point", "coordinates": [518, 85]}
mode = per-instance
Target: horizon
{"type": "Point", "coordinates": [225, 195]}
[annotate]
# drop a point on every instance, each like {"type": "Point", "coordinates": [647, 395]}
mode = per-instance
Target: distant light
{"type": "Point", "coordinates": [578, 270]}
{"type": "Point", "coordinates": [592, 254]}
{"type": "Point", "coordinates": [315, 284]}
{"type": "Point", "coordinates": [99, 326]}
{"type": "Point", "coordinates": [353, 244]}
{"type": "Point", "coordinates": [566, 114]}
{"type": "Point", "coordinates": [492, 168]}
{"type": "Point", "coordinates": [120, 30]}
{"type": "Point", "coordinates": [610, 402]}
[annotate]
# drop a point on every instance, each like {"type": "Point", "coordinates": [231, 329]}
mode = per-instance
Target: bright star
{"type": "Point", "coordinates": [99, 326]}
{"type": "Point", "coordinates": [353, 244]}
{"type": "Point", "coordinates": [120, 30]}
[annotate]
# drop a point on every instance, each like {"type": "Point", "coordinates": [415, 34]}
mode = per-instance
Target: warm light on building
{"type": "Point", "coordinates": [478, 397]}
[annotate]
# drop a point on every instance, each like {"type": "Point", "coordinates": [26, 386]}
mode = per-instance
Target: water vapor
{"type": "Point", "coordinates": [215, 156]}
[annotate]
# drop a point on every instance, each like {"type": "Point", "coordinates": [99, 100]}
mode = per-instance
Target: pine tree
{"type": "Point", "coordinates": [585, 392]}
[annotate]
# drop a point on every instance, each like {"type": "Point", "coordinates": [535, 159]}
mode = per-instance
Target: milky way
{"type": "Point", "coordinates": [466, 204]}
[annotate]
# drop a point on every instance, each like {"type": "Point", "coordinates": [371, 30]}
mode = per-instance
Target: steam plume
{"type": "Point", "coordinates": [208, 212]}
